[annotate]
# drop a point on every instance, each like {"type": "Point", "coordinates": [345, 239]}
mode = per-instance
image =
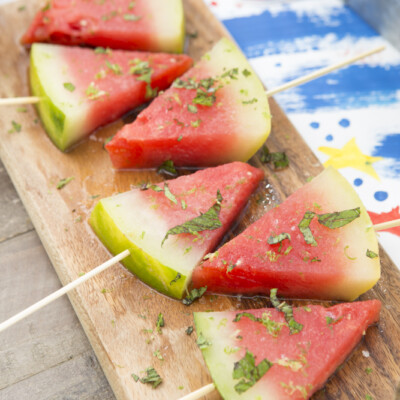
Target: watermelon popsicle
{"type": "Point", "coordinates": [147, 25]}
{"type": "Point", "coordinates": [82, 89]}
{"type": "Point", "coordinates": [169, 227]}
{"type": "Point", "coordinates": [256, 354]}
{"type": "Point", "coordinates": [319, 243]}
{"type": "Point", "coordinates": [216, 113]}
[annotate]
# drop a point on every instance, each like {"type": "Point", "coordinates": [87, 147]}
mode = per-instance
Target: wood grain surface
{"type": "Point", "coordinates": [115, 308]}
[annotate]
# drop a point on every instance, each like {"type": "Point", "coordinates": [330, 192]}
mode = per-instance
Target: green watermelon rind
{"type": "Point", "coordinates": [216, 358]}
{"type": "Point", "coordinates": [147, 268]}
{"type": "Point", "coordinates": [52, 117]}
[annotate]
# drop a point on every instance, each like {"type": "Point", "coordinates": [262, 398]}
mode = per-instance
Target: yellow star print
{"type": "Point", "coordinates": [351, 156]}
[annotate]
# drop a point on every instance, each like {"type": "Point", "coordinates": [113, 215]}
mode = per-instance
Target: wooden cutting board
{"type": "Point", "coordinates": [115, 308]}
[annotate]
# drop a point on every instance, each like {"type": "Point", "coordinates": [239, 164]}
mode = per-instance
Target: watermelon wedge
{"type": "Point", "coordinates": [149, 25]}
{"type": "Point", "coordinates": [273, 252]}
{"type": "Point", "coordinates": [141, 220]}
{"type": "Point", "coordinates": [288, 366]}
{"type": "Point", "coordinates": [216, 113]}
{"type": "Point", "coordinates": [82, 89]}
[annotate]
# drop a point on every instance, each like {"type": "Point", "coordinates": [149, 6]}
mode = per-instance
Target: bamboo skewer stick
{"type": "Point", "coordinates": [387, 225]}
{"type": "Point", "coordinates": [72, 285]}
{"type": "Point", "coordinates": [323, 71]}
{"type": "Point", "coordinates": [197, 394]}
{"type": "Point", "coordinates": [12, 101]}
{"type": "Point", "coordinates": [296, 82]}
{"type": "Point", "coordinates": [67, 288]}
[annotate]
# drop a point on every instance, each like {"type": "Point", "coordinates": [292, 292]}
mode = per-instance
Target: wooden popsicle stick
{"type": "Point", "coordinates": [197, 394]}
{"type": "Point", "coordinates": [387, 225]}
{"type": "Point", "coordinates": [322, 71]}
{"type": "Point", "coordinates": [72, 285]}
{"type": "Point", "coordinates": [67, 288]}
{"type": "Point", "coordinates": [13, 101]}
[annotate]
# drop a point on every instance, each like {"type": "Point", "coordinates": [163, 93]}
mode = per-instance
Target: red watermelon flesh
{"type": "Point", "coordinates": [302, 362]}
{"type": "Point", "coordinates": [103, 85]}
{"type": "Point", "coordinates": [174, 127]}
{"type": "Point", "coordinates": [140, 219]}
{"type": "Point", "coordinates": [148, 25]}
{"type": "Point", "coordinates": [336, 268]}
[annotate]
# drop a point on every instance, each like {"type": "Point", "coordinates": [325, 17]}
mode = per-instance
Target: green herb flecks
{"type": "Point", "coordinates": [194, 295]}
{"type": "Point", "coordinates": [176, 279]}
{"type": "Point", "coordinates": [143, 71]}
{"type": "Point", "coordinates": [191, 108]}
{"type": "Point", "coordinates": [287, 310]}
{"type": "Point", "coordinates": [189, 330]}
{"type": "Point", "coordinates": [279, 159]}
{"type": "Point", "coordinates": [279, 238]}
{"type": "Point", "coordinates": [102, 50]}
{"type": "Point", "coordinates": [168, 194]}
{"type": "Point", "coordinates": [160, 323]}
{"type": "Point", "coordinates": [371, 254]}
{"type": "Point", "coordinates": [345, 253]}
{"type": "Point", "coordinates": [151, 377]}
{"type": "Point", "coordinates": [131, 17]}
{"type": "Point", "coordinates": [16, 127]}
{"type": "Point", "coordinates": [204, 222]}
{"type": "Point", "coordinates": [93, 93]}
{"type": "Point", "coordinates": [272, 327]}
{"type": "Point", "coordinates": [338, 219]}
{"type": "Point", "coordinates": [196, 123]}
{"type": "Point", "coordinates": [204, 98]}
{"type": "Point", "coordinates": [252, 101]}
{"type": "Point", "coordinates": [69, 86]}
{"type": "Point", "coordinates": [250, 373]}
{"type": "Point", "coordinates": [332, 321]}
{"type": "Point", "coordinates": [22, 109]}
{"type": "Point", "coordinates": [232, 73]}
{"type": "Point", "coordinates": [246, 73]}
{"type": "Point", "coordinates": [202, 342]}
{"type": "Point", "coordinates": [115, 68]}
{"type": "Point", "coordinates": [107, 140]}
{"type": "Point", "coordinates": [63, 182]}
{"type": "Point", "coordinates": [168, 168]}
{"type": "Point", "coordinates": [304, 227]}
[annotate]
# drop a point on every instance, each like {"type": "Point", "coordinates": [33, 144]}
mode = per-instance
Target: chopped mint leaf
{"type": "Point", "coordinates": [69, 86]}
{"type": "Point", "coordinates": [196, 123]}
{"type": "Point", "coordinates": [189, 330]}
{"type": "Point", "coordinates": [345, 253]}
{"type": "Point", "coordinates": [272, 327]}
{"type": "Point", "coordinates": [21, 8]}
{"type": "Point", "coordinates": [160, 323]}
{"type": "Point", "coordinates": [368, 370]}
{"type": "Point", "coordinates": [131, 17]}
{"type": "Point", "coordinates": [252, 101]}
{"type": "Point", "coordinates": [371, 254]}
{"type": "Point", "coordinates": [168, 168]}
{"type": "Point", "coordinates": [151, 377]}
{"type": "Point", "coordinates": [183, 205]}
{"type": "Point", "coordinates": [180, 138]}
{"type": "Point", "coordinates": [202, 342]}
{"type": "Point", "coordinates": [191, 108]}
{"type": "Point", "coordinates": [204, 98]}
{"type": "Point", "coordinates": [194, 295]}
{"type": "Point", "coordinates": [131, 5]}
{"type": "Point", "coordinates": [158, 354]}
{"type": "Point", "coordinates": [315, 259]}
{"type": "Point", "coordinates": [114, 68]}
{"type": "Point", "coordinates": [279, 160]}
{"type": "Point", "coordinates": [102, 50]}
{"type": "Point", "coordinates": [64, 182]}
{"type": "Point", "coordinates": [22, 109]}
{"type": "Point", "coordinates": [93, 93]}
{"type": "Point", "coordinates": [304, 227]}
{"type": "Point", "coordinates": [135, 377]}
{"type": "Point", "coordinates": [287, 310]}
{"type": "Point", "coordinates": [332, 321]}
{"type": "Point", "coordinates": [232, 73]}
{"type": "Point", "coordinates": [338, 219]}
{"type": "Point", "coordinates": [16, 127]}
{"type": "Point", "coordinates": [279, 238]}
{"type": "Point", "coordinates": [204, 222]}
{"type": "Point", "coordinates": [189, 84]}
{"type": "Point", "coordinates": [230, 267]}
{"type": "Point", "coordinates": [250, 373]}
{"type": "Point", "coordinates": [168, 194]}
{"type": "Point", "coordinates": [176, 279]}
{"type": "Point", "coordinates": [46, 7]}
{"type": "Point", "coordinates": [246, 73]}
{"type": "Point", "coordinates": [368, 397]}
